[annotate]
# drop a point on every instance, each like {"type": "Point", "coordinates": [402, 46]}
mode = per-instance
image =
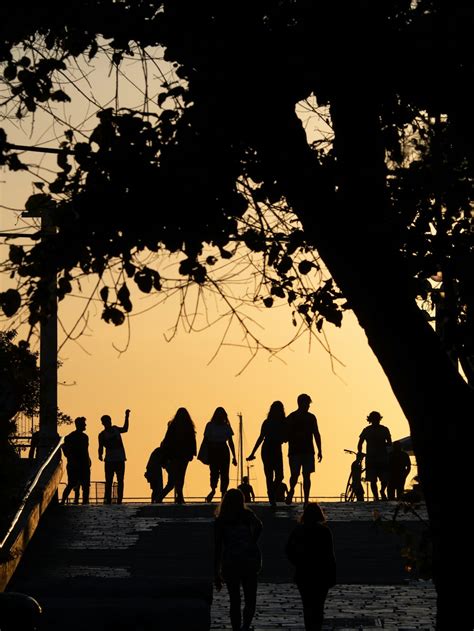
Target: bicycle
{"type": "Point", "coordinates": [352, 494]}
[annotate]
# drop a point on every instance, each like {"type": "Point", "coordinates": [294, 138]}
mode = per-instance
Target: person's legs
{"type": "Point", "coordinates": [85, 483]}
{"type": "Point", "coordinates": [224, 470]}
{"type": "Point", "coordinates": [171, 483]}
{"type": "Point", "coordinates": [268, 470]}
{"type": "Point", "coordinates": [214, 478]}
{"type": "Point", "coordinates": [313, 598]}
{"type": "Point", "coordinates": [295, 467]}
{"type": "Point", "coordinates": [306, 486]}
{"type": "Point", "coordinates": [375, 490]}
{"type": "Point", "coordinates": [249, 586]}
{"type": "Point", "coordinates": [181, 466]}
{"type": "Point", "coordinates": [109, 478]}
{"type": "Point", "coordinates": [120, 473]}
{"type": "Point", "coordinates": [233, 587]}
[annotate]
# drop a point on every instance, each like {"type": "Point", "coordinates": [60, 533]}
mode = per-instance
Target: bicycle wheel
{"type": "Point", "coordinates": [349, 495]}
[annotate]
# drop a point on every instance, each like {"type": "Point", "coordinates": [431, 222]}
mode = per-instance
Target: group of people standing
{"type": "Point", "coordinates": [78, 463]}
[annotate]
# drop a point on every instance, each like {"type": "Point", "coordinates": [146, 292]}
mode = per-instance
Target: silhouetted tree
{"type": "Point", "coordinates": [220, 157]}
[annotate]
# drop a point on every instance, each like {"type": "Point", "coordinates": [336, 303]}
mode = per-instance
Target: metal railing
{"type": "Point", "coordinates": [31, 486]}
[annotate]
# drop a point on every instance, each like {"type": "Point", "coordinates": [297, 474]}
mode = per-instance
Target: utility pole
{"type": "Point", "coordinates": [241, 448]}
{"type": "Point", "coordinates": [48, 420]}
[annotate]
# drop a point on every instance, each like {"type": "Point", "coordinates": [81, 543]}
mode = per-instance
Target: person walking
{"type": "Point", "coordinates": [178, 448]}
{"type": "Point", "coordinates": [154, 474]}
{"type": "Point", "coordinates": [310, 549]}
{"type": "Point", "coordinates": [378, 440]}
{"type": "Point", "coordinates": [218, 435]}
{"type": "Point", "coordinates": [76, 450]}
{"type": "Point", "coordinates": [356, 479]}
{"type": "Point", "coordinates": [302, 428]}
{"type": "Point", "coordinates": [399, 466]}
{"type": "Point", "coordinates": [272, 434]}
{"type": "Point", "coordinates": [110, 442]}
{"type": "Point", "coordinates": [237, 557]}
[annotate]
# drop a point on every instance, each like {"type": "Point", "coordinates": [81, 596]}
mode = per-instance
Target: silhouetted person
{"type": "Point", "coordinates": [237, 558]}
{"type": "Point", "coordinates": [302, 428]}
{"type": "Point", "coordinates": [399, 466]}
{"type": "Point", "coordinates": [378, 440]}
{"type": "Point", "coordinates": [178, 448]}
{"type": "Point", "coordinates": [76, 450]}
{"type": "Point", "coordinates": [356, 480]}
{"type": "Point", "coordinates": [272, 435]}
{"type": "Point", "coordinates": [247, 489]}
{"type": "Point", "coordinates": [310, 549]}
{"type": "Point", "coordinates": [218, 434]}
{"type": "Point", "coordinates": [110, 440]}
{"type": "Point", "coordinates": [154, 474]}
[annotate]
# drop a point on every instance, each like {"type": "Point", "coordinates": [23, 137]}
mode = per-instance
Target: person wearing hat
{"type": "Point", "coordinates": [302, 428]}
{"type": "Point", "coordinates": [378, 439]}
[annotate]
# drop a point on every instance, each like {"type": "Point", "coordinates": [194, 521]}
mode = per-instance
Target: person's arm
{"type": "Point", "coordinates": [389, 438]}
{"type": "Point", "coordinates": [317, 438]}
{"type": "Point", "coordinates": [260, 440]}
{"type": "Point", "coordinates": [252, 494]}
{"type": "Point", "coordinates": [360, 443]}
{"type": "Point", "coordinates": [124, 428]}
{"type": "Point", "coordinates": [101, 446]}
{"type": "Point", "coordinates": [232, 450]}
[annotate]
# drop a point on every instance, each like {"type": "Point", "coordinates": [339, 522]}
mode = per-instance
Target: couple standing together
{"type": "Point", "coordinates": [300, 430]}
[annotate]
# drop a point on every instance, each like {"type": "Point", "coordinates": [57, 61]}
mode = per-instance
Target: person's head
{"type": "Point", "coordinates": [304, 401]}
{"type": "Point", "coordinates": [276, 411]}
{"type": "Point", "coordinates": [312, 514]}
{"type": "Point", "coordinates": [232, 504]}
{"type": "Point", "coordinates": [220, 416]}
{"type": "Point", "coordinates": [245, 479]}
{"type": "Point", "coordinates": [182, 417]}
{"type": "Point", "coordinates": [374, 418]}
{"type": "Point", "coordinates": [80, 423]}
{"type": "Point", "coordinates": [106, 421]}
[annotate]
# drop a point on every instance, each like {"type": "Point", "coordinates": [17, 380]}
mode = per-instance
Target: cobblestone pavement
{"type": "Point", "coordinates": [348, 607]}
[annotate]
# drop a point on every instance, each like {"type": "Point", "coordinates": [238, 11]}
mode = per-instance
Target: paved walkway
{"type": "Point", "coordinates": [82, 557]}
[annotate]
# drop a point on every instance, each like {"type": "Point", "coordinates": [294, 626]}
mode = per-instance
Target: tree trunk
{"type": "Point", "coordinates": [352, 233]}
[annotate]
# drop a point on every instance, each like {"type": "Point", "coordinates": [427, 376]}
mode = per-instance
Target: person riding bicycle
{"type": "Point", "coordinates": [356, 479]}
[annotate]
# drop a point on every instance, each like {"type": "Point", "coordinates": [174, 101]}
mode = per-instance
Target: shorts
{"type": "Point", "coordinates": [301, 462]}
{"type": "Point", "coordinates": [376, 471]}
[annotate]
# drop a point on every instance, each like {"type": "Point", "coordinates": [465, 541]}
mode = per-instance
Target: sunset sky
{"type": "Point", "coordinates": [153, 376]}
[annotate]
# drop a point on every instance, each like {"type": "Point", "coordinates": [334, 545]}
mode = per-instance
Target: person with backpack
{"type": "Point", "coordinates": [237, 557]}
{"type": "Point", "coordinates": [310, 549]}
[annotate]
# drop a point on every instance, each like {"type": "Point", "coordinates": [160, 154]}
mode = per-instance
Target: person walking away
{"type": "Point", "coordinates": [218, 434]}
{"type": "Point", "coordinates": [310, 549]}
{"type": "Point", "coordinates": [76, 450]}
{"type": "Point", "coordinates": [178, 448]}
{"type": "Point", "coordinates": [378, 440]}
{"type": "Point", "coordinates": [237, 557]}
{"type": "Point", "coordinates": [356, 473]}
{"type": "Point", "coordinates": [302, 428]}
{"type": "Point", "coordinates": [154, 474]}
{"type": "Point", "coordinates": [272, 434]}
{"type": "Point", "coordinates": [399, 466]}
{"type": "Point", "coordinates": [110, 442]}
{"type": "Point", "coordinates": [247, 489]}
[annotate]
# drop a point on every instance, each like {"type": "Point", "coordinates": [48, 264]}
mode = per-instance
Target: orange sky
{"type": "Point", "coordinates": [155, 377]}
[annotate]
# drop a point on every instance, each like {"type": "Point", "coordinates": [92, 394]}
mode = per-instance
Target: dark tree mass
{"type": "Point", "coordinates": [219, 159]}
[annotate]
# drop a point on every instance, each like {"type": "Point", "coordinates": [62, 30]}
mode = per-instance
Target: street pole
{"type": "Point", "coordinates": [48, 417]}
{"type": "Point", "coordinates": [241, 448]}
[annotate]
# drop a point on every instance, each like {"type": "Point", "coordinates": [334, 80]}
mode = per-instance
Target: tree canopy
{"type": "Point", "coordinates": [218, 159]}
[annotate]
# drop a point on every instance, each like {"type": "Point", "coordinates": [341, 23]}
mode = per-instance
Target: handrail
{"type": "Point", "coordinates": [30, 490]}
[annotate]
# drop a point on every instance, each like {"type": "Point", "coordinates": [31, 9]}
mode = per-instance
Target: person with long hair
{"type": "Point", "coordinates": [218, 434]}
{"type": "Point", "coordinates": [178, 448]}
{"type": "Point", "coordinates": [237, 557]}
{"type": "Point", "coordinates": [272, 435]}
{"type": "Point", "coordinates": [310, 549]}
